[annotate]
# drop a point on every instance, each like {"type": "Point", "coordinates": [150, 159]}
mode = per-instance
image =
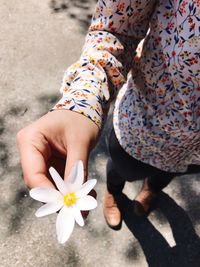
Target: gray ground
{"type": "Point", "coordinates": [38, 40]}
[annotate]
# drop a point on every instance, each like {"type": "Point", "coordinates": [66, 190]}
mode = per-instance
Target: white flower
{"type": "Point", "coordinates": [70, 200]}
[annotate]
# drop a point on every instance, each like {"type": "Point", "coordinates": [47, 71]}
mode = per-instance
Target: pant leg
{"type": "Point", "coordinates": [115, 183]}
{"type": "Point", "coordinates": [123, 167]}
{"type": "Point", "coordinates": [158, 182]}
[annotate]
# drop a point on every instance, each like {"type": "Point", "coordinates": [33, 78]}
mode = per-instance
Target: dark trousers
{"type": "Point", "coordinates": [121, 167]}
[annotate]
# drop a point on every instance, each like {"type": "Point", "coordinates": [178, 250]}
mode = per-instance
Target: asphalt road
{"type": "Point", "coordinates": [39, 39]}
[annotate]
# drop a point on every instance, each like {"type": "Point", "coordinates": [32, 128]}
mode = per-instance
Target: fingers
{"type": "Point", "coordinates": [80, 136]}
{"type": "Point", "coordinates": [55, 131]}
{"type": "Point", "coordinates": [80, 151]}
{"type": "Point", "coordinates": [74, 153]}
{"type": "Point", "coordinates": [34, 152]}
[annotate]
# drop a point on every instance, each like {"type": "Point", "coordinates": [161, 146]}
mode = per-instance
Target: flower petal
{"type": "Point", "coordinates": [64, 224]}
{"type": "Point", "coordinates": [78, 216]}
{"type": "Point", "coordinates": [86, 203]}
{"type": "Point", "coordinates": [86, 188]}
{"type": "Point", "coordinates": [61, 185]}
{"type": "Point", "coordinates": [73, 172]}
{"type": "Point", "coordinates": [45, 194]}
{"type": "Point", "coordinates": [49, 208]}
{"type": "Point", "coordinates": [76, 176]}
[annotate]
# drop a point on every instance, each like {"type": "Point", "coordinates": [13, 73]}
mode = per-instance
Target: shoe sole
{"type": "Point", "coordinates": [114, 227]}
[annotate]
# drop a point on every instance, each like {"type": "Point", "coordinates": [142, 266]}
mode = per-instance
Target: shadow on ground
{"type": "Point", "coordinates": [80, 11]}
{"type": "Point", "coordinates": [190, 193]}
{"type": "Point", "coordinates": [156, 249]}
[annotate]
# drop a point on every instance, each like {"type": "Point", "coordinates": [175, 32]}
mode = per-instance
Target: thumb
{"type": "Point", "coordinates": [80, 152]}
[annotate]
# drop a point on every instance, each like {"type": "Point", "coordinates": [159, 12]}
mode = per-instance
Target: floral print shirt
{"type": "Point", "coordinates": [157, 111]}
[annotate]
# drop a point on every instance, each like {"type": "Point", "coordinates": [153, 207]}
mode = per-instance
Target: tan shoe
{"type": "Point", "coordinates": [111, 212]}
{"type": "Point", "coordinates": [144, 200]}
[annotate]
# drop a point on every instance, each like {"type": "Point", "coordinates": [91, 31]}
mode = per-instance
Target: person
{"type": "Point", "coordinates": [156, 121]}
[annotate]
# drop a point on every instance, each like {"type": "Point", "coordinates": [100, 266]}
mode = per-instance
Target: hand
{"type": "Point", "coordinates": [57, 139]}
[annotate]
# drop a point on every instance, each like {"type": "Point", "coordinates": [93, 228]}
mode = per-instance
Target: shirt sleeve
{"type": "Point", "coordinates": [107, 56]}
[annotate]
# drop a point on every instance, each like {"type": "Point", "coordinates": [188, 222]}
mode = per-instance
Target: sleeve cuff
{"type": "Point", "coordinates": [91, 107]}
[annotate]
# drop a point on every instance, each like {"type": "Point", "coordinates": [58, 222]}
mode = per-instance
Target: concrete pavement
{"type": "Point", "coordinates": [39, 39]}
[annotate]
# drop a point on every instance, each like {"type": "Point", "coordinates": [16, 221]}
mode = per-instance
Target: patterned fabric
{"type": "Point", "coordinates": [157, 111]}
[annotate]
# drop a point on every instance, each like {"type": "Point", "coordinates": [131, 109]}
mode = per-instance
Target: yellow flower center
{"type": "Point", "coordinates": [70, 199]}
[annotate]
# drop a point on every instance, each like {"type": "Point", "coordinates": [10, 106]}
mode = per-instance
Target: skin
{"type": "Point", "coordinates": [57, 139]}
